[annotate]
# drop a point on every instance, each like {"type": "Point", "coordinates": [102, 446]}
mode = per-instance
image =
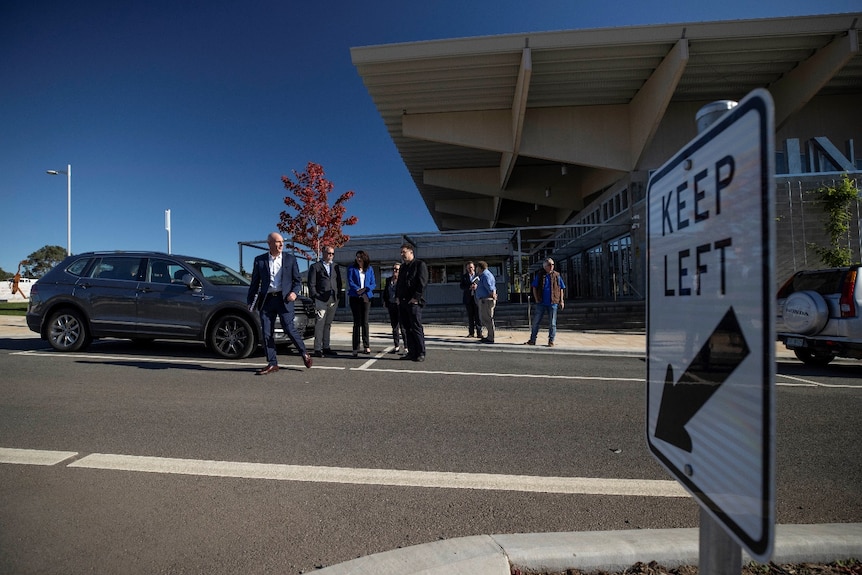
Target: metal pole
{"type": "Point", "coordinates": [804, 238]}
{"type": "Point", "coordinates": [68, 173]}
{"type": "Point", "coordinates": [858, 220]}
{"type": "Point", "coordinates": [69, 209]}
{"type": "Point", "coordinates": [168, 227]}
{"type": "Point", "coordinates": [719, 554]}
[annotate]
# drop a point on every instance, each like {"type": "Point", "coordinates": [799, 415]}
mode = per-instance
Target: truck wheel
{"type": "Point", "coordinates": [808, 357]}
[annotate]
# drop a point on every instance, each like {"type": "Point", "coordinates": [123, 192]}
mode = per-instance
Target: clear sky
{"type": "Point", "coordinates": [200, 106]}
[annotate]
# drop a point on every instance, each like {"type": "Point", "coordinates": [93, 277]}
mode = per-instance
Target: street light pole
{"type": "Point", "coordinates": [168, 227]}
{"type": "Point", "coordinates": [68, 173]}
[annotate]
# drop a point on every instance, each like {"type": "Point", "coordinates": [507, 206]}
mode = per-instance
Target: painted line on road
{"type": "Point", "coordinates": [386, 477]}
{"type": "Point", "coordinates": [488, 374]}
{"type": "Point", "coordinates": [34, 456]}
{"type": "Point", "coordinates": [367, 366]}
{"type": "Point", "coordinates": [372, 360]}
{"type": "Point", "coordinates": [144, 359]}
{"type": "Point", "coordinates": [353, 476]}
{"type": "Point", "coordinates": [808, 383]}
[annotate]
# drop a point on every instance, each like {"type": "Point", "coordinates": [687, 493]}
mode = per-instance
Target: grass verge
{"type": "Point", "coordinates": [13, 308]}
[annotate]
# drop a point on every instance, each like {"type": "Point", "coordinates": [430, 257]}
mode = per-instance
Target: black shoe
{"type": "Point", "coordinates": [318, 353]}
{"type": "Point", "coordinates": [410, 357]}
{"type": "Point", "coordinates": [329, 352]}
{"type": "Point", "coordinates": [267, 370]}
{"type": "Point", "coordinates": [419, 358]}
{"type": "Point", "coordinates": [486, 340]}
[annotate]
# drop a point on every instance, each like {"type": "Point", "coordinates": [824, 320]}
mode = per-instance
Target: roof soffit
{"type": "Point", "coordinates": [608, 70]}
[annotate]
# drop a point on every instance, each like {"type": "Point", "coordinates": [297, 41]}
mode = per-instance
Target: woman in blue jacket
{"type": "Point", "coordinates": [360, 290]}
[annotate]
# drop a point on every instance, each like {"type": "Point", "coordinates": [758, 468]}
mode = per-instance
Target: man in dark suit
{"type": "Point", "coordinates": [275, 285]}
{"type": "Point", "coordinates": [468, 286]}
{"type": "Point", "coordinates": [410, 291]}
{"type": "Point", "coordinates": [324, 287]}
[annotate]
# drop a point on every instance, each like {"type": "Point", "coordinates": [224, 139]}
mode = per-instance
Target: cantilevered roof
{"type": "Point", "coordinates": [486, 125]}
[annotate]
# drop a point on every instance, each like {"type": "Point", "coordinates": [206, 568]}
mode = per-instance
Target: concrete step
{"type": "Point", "coordinates": [627, 315]}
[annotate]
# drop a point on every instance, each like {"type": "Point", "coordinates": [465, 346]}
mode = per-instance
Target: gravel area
{"type": "Point", "coordinates": [848, 567]}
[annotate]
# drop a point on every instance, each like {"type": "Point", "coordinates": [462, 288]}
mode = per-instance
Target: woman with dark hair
{"type": "Point", "coordinates": [360, 290]}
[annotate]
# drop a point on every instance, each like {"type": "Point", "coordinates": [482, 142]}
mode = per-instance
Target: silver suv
{"type": "Point", "coordinates": [820, 314]}
{"type": "Point", "coordinates": [150, 295]}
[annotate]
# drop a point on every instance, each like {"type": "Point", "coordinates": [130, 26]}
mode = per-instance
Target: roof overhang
{"type": "Point", "coordinates": [493, 128]}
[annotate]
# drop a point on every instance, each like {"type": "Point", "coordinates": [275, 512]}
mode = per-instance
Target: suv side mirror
{"type": "Point", "coordinates": [191, 282]}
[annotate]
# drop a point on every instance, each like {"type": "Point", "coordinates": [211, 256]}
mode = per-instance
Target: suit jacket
{"type": "Point", "coordinates": [465, 284]}
{"type": "Point", "coordinates": [353, 282]}
{"type": "Point", "coordinates": [412, 280]}
{"type": "Point", "coordinates": [291, 280]}
{"type": "Point", "coordinates": [321, 284]}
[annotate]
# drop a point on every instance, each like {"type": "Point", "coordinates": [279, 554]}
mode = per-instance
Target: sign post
{"type": "Point", "coordinates": [710, 325]}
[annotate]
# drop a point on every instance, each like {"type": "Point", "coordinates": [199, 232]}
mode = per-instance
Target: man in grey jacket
{"type": "Point", "coordinates": [324, 287]}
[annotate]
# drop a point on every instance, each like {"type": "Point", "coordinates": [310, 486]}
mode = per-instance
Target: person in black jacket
{"type": "Point", "coordinates": [410, 291]}
{"type": "Point", "coordinates": [390, 301]}
{"type": "Point", "coordinates": [468, 286]}
{"type": "Point", "coordinates": [324, 287]}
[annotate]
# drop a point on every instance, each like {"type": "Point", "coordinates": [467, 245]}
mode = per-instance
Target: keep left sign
{"type": "Point", "coordinates": [710, 320]}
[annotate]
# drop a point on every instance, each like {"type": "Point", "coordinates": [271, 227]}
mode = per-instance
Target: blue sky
{"type": "Point", "coordinates": [201, 106]}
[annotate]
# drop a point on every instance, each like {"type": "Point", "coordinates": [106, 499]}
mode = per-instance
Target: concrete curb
{"type": "Point", "coordinates": [592, 550]}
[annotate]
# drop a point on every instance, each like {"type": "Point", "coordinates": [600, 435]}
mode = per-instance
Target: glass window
{"type": "Point", "coordinates": [78, 266]}
{"type": "Point", "coordinates": [165, 272]}
{"type": "Point", "coordinates": [436, 274]}
{"type": "Point", "coordinates": [217, 274]}
{"type": "Point", "coordinates": [117, 268]}
{"type": "Point", "coordinates": [620, 266]}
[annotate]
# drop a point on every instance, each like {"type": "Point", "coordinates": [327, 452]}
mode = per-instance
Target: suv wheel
{"type": "Point", "coordinates": [232, 337]}
{"type": "Point", "coordinates": [805, 312]}
{"type": "Point", "coordinates": [809, 357]}
{"type": "Point", "coordinates": [67, 331]}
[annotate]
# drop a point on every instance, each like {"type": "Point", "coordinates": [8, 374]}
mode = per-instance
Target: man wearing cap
{"type": "Point", "coordinates": [549, 293]}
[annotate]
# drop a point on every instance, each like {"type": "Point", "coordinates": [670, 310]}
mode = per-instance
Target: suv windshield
{"type": "Point", "coordinates": [217, 274]}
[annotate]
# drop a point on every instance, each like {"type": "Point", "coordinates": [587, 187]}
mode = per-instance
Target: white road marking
{"type": "Point", "coordinates": [487, 374]}
{"type": "Point", "coordinates": [34, 456]}
{"type": "Point", "coordinates": [371, 360]}
{"type": "Point", "coordinates": [809, 383]}
{"type": "Point", "coordinates": [353, 476]}
{"type": "Point", "coordinates": [144, 359]}
{"type": "Point", "coordinates": [367, 366]}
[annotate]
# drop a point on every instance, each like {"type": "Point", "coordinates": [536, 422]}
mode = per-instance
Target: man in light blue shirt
{"type": "Point", "coordinates": [486, 297]}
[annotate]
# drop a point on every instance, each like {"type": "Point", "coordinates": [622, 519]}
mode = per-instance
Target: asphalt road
{"type": "Point", "coordinates": [307, 459]}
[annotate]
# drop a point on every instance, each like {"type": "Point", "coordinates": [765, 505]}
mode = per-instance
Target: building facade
{"type": "Point", "coordinates": [552, 136]}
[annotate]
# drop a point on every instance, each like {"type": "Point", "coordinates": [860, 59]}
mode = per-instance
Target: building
{"type": "Point", "coordinates": [552, 136]}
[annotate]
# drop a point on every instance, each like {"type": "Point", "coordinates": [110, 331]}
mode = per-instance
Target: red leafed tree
{"type": "Point", "coordinates": [315, 223]}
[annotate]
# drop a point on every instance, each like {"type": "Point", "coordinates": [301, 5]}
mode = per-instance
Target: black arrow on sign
{"type": "Point", "coordinates": [722, 353]}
